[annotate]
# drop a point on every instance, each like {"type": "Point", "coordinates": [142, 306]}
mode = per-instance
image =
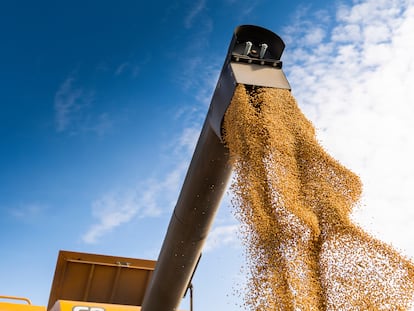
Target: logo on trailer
{"type": "Point", "coordinates": [85, 308]}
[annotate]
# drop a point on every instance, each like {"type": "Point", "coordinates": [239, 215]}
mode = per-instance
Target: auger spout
{"type": "Point", "coordinates": [253, 58]}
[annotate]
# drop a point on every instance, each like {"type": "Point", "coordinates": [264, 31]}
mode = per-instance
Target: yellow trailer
{"type": "Point", "coordinates": [91, 282]}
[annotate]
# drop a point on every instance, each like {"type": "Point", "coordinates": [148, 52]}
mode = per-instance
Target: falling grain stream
{"type": "Point", "coordinates": [294, 203]}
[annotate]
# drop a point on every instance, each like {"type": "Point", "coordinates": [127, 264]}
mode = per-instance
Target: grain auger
{"type": "Point", "coordinates": [91, 282]}
{"type": "Point", "coordinates": [253, 59]}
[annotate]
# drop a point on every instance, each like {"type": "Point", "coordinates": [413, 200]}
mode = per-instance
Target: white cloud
{"type": "Point", "coordinates": [188, 139]}
{"type": "Point", "coordinates": [201, 82]}
{"type": "Point", "coordinates": [314, 37]}
{"type": "Point", "coordinates": [111, 210]}
{"type": "Point", "coordinates": [222, 236]}
{"type": "Point", "coordinates": [148, 199]}
{"type": "Point", "coordinates": [130, 68]}
{"type": "Point", "coordinates": [198, 7]}
{"type": "Point", "coordinates": [122, 68]}
{"type": "Point", "coordinates": [68, 102]}
{"type": "Point", "coordinates": [357, 87]}
{"type": "Point", "coordinates": [122, 206]}
{"type": "Point", "coordinates": [347, 33]}
{"type": "Point", "coordinates": [30, 212]}
{"type": "Point", "coordinates": [74, 110]}
{"type": "Point", "coordinates": [101, 125]}
{"type": "Point", "coordinates": [245, 8]}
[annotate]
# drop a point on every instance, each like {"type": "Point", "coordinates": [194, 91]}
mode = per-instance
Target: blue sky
{"type": "Point", "coordinates": [101, 104]}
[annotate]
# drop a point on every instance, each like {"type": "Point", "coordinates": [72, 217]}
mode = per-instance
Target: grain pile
{"type": "Point", "coordinates": [294, 203]}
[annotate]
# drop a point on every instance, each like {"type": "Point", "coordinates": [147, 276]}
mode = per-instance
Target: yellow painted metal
{"type": "Point", "coordinates": [100, 279]}
{"type": "Point", "coordinates": [27, 300]}
{"type": "Point", "coordinates": [18, 304]}
{"type": "Point", "coordinates": [68, 305]}
{"type": "Point", "coordinates": [7, 306]}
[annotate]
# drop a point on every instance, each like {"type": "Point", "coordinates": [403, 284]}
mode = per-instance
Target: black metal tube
{"type": "Point", "coordinates": [203, 188]}
{"type": "Point", "coordinates": [209, 170]}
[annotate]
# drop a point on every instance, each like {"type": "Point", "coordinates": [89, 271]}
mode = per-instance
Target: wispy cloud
{"type": "Point", "coordinates": [199, 73]}
{"type": "Point", "coordinates": [354, 80]}
{"type": "Point", "coordinates": [151, 196]}
{"type": "Point", "coordinates": [29, 212]}
{"type": "Point", "coordinates": [148, 199]}
{"type": "Point", "coordinates": [246, 8]}
{"type": "Point", "coordinates": [99, 124]}
{"type": "Point", "coordinates": [122, 68]}
{"type": "Point", "coordinates": [128, 68]}
{"type": "Point", "coordinates": [111, 210]}
{"type": "Point", "coordinates": [197, 7]}
{"type": "Point", "coordinates": [120, 207]}
{"type": "Point", "coordinates": [220, 236]}
{"type": "Point", "coordinates": [188, 139]}
{"type": "Point", "coordinates": [69, 101]}
{"type": "Point", "coordinates": [73, 107]}
{"type": "Point", "coordinates": [200, 77]}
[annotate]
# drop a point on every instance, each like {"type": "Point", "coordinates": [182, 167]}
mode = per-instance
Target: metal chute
{"type": "Point", "coordinates": [253, 59]}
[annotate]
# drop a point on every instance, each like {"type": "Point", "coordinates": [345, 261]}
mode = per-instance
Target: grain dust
{"type": "Point", "coordinates": [294, 203]}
